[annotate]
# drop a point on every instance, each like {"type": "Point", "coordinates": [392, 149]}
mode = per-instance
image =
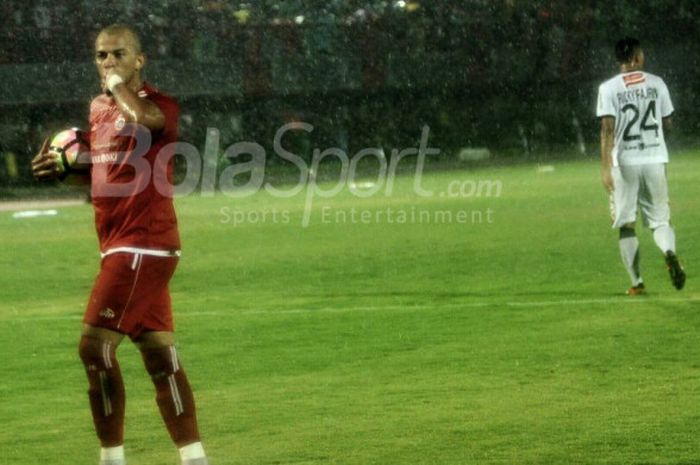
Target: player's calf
{"type": "Point", "coordinates": [106, 389]}
{"type": "Point", "coordinates": [629, 252]}
{"type": "Point", "coordinates": [175, 400]}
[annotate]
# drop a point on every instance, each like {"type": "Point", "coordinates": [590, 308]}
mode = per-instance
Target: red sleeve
{"type": "Point", "coordinates": [171, 112]}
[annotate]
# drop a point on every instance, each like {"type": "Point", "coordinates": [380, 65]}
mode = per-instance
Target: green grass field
{"type": "Point", "coordinates": [501, 342]}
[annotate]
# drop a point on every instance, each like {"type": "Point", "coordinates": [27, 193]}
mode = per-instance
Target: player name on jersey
{"type": "Point", "coordinates": [635, 95]}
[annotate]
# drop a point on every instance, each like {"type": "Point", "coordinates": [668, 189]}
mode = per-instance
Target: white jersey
{"type": "Point", "coordinates": [638, 101]}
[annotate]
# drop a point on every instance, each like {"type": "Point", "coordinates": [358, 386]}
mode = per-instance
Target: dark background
{"type": "Point", "coordinates": [518, 77]}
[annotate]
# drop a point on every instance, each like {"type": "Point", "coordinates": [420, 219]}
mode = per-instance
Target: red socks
{"type": "Point", "coordinates": [107, 399]}
{"type": "Point", "coordinates": [173, 394]}
{"type": "Point", "coordinates": [106, 389]}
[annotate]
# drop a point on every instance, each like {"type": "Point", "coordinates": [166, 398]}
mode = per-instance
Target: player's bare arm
{"type": "Point", "coordinates": [607, 132]}
{"type": "Point", "coordinates": [137, 110]}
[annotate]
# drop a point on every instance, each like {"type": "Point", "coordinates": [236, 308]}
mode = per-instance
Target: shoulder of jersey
{"type": "Point", "coordinates": [626, 80]}
{"type": "Point", "coordinates": [100, 103]}
{"type": "Point", "coordinates": [612, 81]}
{"type": "Point", "coordinates": [156, 95]}
{"type": "Point", "coordinates": [654, 77]}
{"type": "Point", "coordinates": [148, 91]}
{"type": "Point", "coordinates": [649, 77]}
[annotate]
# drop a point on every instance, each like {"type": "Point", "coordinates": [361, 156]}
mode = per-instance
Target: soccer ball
{"type": "Point", "coordinates": [71, 148]}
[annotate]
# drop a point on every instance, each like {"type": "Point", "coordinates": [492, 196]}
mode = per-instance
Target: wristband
{"type": "Point", "coordinates": [112, 81]}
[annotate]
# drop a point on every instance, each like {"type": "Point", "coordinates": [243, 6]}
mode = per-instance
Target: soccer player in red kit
{"type": "Point", "coordinates": [130, 124]}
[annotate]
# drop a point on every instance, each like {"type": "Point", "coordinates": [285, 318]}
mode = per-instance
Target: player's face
{"type": "Point", "coordinates": [117, 53]}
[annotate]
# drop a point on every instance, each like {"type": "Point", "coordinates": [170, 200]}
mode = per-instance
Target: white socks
{"type": "Point", "coordinates": [188, 454]}
{"type": "Point", "coordinates": [112, 455]}
{"type": "Point", "coordinates": [665, 238]}
{"type": "Point", "coordinates": [192, 452]}
{"type": "Point", "coordinates": [629, 251]}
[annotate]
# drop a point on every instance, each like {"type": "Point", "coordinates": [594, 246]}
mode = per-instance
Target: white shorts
{"type": "Point", "coordinates": [644, 186]}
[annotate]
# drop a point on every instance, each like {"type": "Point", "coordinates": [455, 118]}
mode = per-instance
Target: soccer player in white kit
{"type": "Point", "coordinates": [634, 108]}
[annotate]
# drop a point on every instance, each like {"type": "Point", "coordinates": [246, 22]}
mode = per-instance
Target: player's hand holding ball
{"type": "Point", "coordinates": [45, 165]}
{"type": "Point", "coordinates": [67, 152]}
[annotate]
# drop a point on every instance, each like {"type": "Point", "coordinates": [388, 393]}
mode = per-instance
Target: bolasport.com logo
{"type": "Point", "coordinates": [248, 161]}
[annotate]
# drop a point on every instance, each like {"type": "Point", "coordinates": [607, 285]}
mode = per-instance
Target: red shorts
{"type": "Point", "coordinates": [131, 295]}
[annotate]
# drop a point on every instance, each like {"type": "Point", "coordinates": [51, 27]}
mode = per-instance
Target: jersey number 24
{"type": "Point", "coordinates": [645, 125]}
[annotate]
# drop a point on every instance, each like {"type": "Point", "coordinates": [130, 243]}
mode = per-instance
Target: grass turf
{"type": "Point", "coordinates": [487, 342]}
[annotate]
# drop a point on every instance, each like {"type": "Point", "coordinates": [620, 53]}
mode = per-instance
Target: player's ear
{"type": "Point", "coordinates": [638, 57]}
{"type": "Point", "coordinates": [140, 61]}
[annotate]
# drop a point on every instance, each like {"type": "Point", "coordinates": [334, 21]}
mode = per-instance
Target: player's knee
{"type": "Point", "coordinates": [96, 354]}
{"type": "Point", "coordinates": [160, 361]}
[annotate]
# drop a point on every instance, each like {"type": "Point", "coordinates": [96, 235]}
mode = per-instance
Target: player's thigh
{"type": "Point", "coordinates": [653, 196]}
{"type": "Point", "coordinates": [102, 334]}
{"type": "Point", "coordinates": [155, 339]}
{"type": "Point", "coordinates": [624, 197]}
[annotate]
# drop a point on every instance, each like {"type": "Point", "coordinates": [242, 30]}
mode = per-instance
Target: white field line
{"type": "Point", "coordinates": [18, 205]}
{"type": "Point", "coordinates": [544, 303]}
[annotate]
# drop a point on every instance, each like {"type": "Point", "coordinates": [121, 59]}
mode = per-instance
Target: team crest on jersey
{"type": "Point", "coordinates": [119, 123]}
{"type": "Point", "coordinates": [634, 78]}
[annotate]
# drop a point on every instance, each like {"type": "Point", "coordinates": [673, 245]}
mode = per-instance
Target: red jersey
{"type": "Point", "coordinates": [133, 203]}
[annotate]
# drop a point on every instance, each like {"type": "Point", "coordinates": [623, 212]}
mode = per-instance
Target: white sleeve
{"type": "Point", "coordinates": [605, 103]}
{"type": "Point", "coordinates": [665, 105]}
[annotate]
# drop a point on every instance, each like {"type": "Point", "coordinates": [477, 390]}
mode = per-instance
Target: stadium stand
{"type": "Point", "coordinates": [518, 77]}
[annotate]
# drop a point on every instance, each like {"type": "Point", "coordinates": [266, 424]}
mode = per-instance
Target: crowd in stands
{"type": "Point", "coordinates": [45, 31]}
{"type": "Point", "coordinates": [478, 71]}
